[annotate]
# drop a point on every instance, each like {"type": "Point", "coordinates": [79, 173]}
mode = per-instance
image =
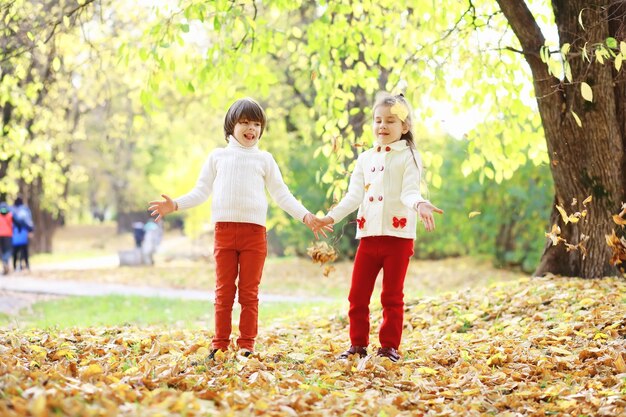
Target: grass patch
{"type": "Point", "coordinates": [115, 310]}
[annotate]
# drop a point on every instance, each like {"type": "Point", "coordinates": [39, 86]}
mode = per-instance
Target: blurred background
{"type": "Point", "coordinates": [107, 104]}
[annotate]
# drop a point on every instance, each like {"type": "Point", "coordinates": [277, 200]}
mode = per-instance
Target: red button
{"type": "Point", "coordinates": [380, 198]}
{"type": "Point", "coordinates": [388, 148]}
{"type": "Point", "coordinates": [378, 150]}
{"type": "Point", "coordinates": [371, 198]}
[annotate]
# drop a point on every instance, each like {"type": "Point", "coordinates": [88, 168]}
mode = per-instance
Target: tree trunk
{"type": "Point", "coordinates": [45, 222]}
{"type": "Point", "coordinates": [585, 161]}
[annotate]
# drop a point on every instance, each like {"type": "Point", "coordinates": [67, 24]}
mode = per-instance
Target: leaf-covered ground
{"type": "Point", "coordinates": [532, 347]}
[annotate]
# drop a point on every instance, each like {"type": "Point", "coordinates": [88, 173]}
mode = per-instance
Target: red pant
{"type": "Point", "coordinates": [240, 249]}
{"type": "Point", "coordinates": [392, 254]}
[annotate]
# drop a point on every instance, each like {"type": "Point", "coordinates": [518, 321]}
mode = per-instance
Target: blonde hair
{"type": "Point", "coordinates": [383, 98]}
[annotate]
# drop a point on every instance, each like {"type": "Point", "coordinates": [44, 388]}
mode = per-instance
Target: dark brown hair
{"type": "Point", "coordinates": [245, 108]}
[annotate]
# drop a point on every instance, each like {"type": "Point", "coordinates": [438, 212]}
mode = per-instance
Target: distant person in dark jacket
{"type": "Point", "coordinates": [22, 227]}
{"type": "Point", "coordinates": [6, 236]}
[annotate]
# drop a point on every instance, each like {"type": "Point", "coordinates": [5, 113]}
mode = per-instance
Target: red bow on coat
{"type": "Point", "coordinates": [399, 222]}
{"type": "Point", "coordinates": [361, 222]}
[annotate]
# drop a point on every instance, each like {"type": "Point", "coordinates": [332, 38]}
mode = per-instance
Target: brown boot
{"type": "Point", "coordinates": [390, 353]}
{"type": "Point", "coordinates": [354, 350]}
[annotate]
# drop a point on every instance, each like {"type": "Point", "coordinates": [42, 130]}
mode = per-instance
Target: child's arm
{"type": "Point", "coordinates": [280, 193]}
{"type": "Point", "coordinates": [159, 209]}
{"type": "Point", "coordinates": [352, 199]}
{"type": "Point", "coordinates": [411, 196]}
{"type": "Point", "coordinates": [425, 210]}
{"type": "Point", "coordinates": [198, 195]}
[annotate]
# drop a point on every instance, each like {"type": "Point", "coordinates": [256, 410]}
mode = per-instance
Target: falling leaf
{"type": "Point", "coordinates": [586, 91]}
{"type": "Point", "coordinates": [587, 200]}
{"type": "Point", "coordinates": [473, 214]}
{"type": "Point", "coordinates": [322, 252]}
{"type": "Point", "coordinates": [618, 220]}
{"type": "Point", "coordinates": [564, 215]}
{"type": "Point", "coordinates": [577, 119]}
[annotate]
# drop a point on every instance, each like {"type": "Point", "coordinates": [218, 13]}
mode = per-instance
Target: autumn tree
{"type": "Point", "coordinates": [36, 126]}
{"type": "Point", "coordinates": [583, 113]}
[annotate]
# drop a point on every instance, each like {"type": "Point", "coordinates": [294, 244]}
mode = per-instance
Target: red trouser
{"type": "Point", "coordinates": [392, 254]}
{"type": "Point", "coordinates": [240, 249]}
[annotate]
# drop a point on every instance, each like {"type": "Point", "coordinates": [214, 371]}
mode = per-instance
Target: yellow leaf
{"type": "Point", "coordinates": [92, 370]}
{"type": "Point", "coordinates": [587, 200]}
{"type": "Point", "coordinates": [426, 370]}
{"type": "Point", "coordinates": [578, 122]}
{"type": "Point", "coordinates": [618, 220]}
{"type": "Point", "coordinates": [56, 63]}
{"type": "Point", "coordinates": [622, 48]}
{"type": "Point", "coordinates": [38, 408]}
{"type": "Point", "coordinates": [566, 404]}
{"type": "Point", "coordinates": [586, 91]}
{"type": "Point", "coordinates": [618, 62]}
{"type": "Point", "coordinates": [471, 391]}
{"type": "Point", "coordinates": [600, 336]}
{"type": "Point", "coordinates": [586, 302]}
{"type": "Point", "coordinates": [473, 214]}
{"type": "Point", "coordinates": [564, 215]}
{"type": "Point", "coordinates": [619, 363]}
{"type": "Point", "coordinates": [497, 359]}
{"type": "Point", "coordinates": [261, 405]}
{"type": "Point", "coordinates": [399, 110]}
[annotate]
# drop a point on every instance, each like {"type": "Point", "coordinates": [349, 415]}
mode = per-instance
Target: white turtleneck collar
{"type": "Point", "coordinates": [234, 143]}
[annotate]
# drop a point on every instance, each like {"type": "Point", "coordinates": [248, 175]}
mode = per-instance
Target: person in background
{"type": "Point", "coordinates": [151, 241]}
{"type": "Point", "coordinates": [6, 236]}
{"type": "Point", "coordinates": [23, 226]}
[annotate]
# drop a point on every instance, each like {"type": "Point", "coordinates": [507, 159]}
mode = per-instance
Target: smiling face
{"type": "Point", "coordinates": [388, 127]}
{"type": "Point", "coordinates": [245, 120]}
{"type": "Point", "coordinates": [247, 132]}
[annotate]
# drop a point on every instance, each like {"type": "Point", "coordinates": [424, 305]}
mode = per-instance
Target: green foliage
{"type": "Point", "coordinates": [513, 213]}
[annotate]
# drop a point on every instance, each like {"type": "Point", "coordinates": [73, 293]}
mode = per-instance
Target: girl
{"type": "Point", "coordinates": [385, 186]}
{"type": "Point", "coordinates": [238, 175]}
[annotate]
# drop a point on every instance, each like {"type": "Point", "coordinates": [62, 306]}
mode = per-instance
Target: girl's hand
{"type": "Point", "coordinates": [159, 209]}
{"type": "Point", "coordinates": [316, 225]}
{"type": "Point", "coordinates": [425, 210]}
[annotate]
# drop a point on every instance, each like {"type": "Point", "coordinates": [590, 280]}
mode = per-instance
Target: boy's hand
{"type": "Point", "coordinates": [425, 210]}
{"type": "Point", "coordinates": [159, 209]}
{"type": "Point", "coordinates": [316, 225]}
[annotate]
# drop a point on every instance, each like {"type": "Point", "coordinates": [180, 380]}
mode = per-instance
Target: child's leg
{"type": "Point", "coordinates": [226, 269]}
{"type": "Point", "coordinates": [367, 264]}
{"type": "Point", "coordinates": [253, 246]}
{"type": "Point", "coordinates": [398, 253]}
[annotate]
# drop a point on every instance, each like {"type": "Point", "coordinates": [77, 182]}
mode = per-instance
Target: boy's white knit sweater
{"type": "Point", "coordinates": [237, 176]}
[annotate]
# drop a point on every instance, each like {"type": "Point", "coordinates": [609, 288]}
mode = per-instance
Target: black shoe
{"type": "Point", "coordinates": [212, 354]}
{"type": "Point", "coordinates": [390, 353]}
{"type": "Point", "coordinates": [246, 353]}
{"type": "Point", "coordinates": [354, 350]}
{"type": "Point", "coordinates": [209, 358]}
